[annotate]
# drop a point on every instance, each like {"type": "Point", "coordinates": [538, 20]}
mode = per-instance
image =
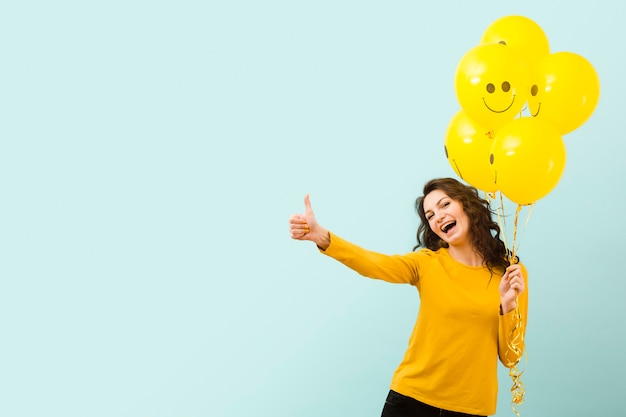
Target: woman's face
{"type": "Point", "coordinates": [446, 218]}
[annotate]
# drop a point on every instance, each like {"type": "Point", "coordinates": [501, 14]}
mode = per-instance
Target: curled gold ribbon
{"type": "Point", "coordinates": [516, 343]}
{"type": "Point", "coordinates": [516, 337]}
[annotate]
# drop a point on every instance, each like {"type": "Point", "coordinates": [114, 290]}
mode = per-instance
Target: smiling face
{"type": "Point", "coordinates": [446, 218]}
{"type": "Point", "coordinates": [491, 84]}
{"type": "Point", "coordinates": [501, 99]}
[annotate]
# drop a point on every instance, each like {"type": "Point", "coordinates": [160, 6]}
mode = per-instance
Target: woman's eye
{"type": "Point", "coordinates": [445, 204]}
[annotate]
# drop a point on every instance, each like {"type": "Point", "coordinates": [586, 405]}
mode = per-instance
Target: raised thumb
{"type": "Point", "coordinates": [307, 205]}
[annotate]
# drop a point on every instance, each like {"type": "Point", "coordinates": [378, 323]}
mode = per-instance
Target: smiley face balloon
{"type": "Point", "coordinates": [520, 33]}
{"type": "Point", "coordinates": [491, 84]}
{"type": "Point", "coordinates": [467, 149]}
{"type": "Point", "coordinates": [564, 90]}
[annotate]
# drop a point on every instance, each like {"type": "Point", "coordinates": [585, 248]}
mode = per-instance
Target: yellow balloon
{"type": "Point", "coordinates": [521, 33]}
{"type": "Point", "coordinates": [491, 84]}
{"type": "Point", "coordinates": [467, 149]}
{"type": "Point", "coordinates": [528, 159]}
{"type": "Point", "coordinates": [564, 91]}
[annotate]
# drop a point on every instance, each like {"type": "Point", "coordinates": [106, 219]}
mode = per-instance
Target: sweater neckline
{"type": "Point", "coordinates": [474, 267]}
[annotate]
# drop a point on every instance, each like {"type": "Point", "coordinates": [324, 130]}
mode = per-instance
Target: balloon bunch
{"type": "Point", "coordinates": [490, 143]}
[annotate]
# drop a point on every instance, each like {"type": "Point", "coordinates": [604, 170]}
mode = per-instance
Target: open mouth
{"type": "Point", "coordinates": [446, 227]}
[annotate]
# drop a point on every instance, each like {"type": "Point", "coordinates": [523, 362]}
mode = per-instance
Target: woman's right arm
{"type": "Point", "coordinates": [390, 268]}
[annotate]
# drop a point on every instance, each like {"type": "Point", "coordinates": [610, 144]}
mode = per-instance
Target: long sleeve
{"type": "Point", "coordinates": [390, 268]}
{"type": "Point", "coordinates": [512, 330]}
{"type": "Point", "coordinates": [450, 362]}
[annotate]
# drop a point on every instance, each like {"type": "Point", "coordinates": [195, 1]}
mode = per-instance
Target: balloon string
{"type": "Point", "coordinates": [516, 339]}
{"type": "Point", "coordinates": [528, 216]}
{"type": "Point", "coordinates": [513, 248]}
{"type": "Point", "coordinates": [516, 342]}
{"type": "Point", "coordinates": [501, 220]}
{"type": "Point", "coordinates": [517, 389]}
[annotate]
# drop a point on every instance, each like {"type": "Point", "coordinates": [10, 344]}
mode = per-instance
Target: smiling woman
{"type": "Point", "coordinates": [447, 220]}
{"type": "Point", "coordinates": [466, 319]}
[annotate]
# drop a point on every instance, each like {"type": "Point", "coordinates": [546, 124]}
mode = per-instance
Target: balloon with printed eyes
{"type": "Point", "coordinates": [520, 33]}
{"type": "Point", "coordinates": [528, 159]}
{"type": "Point", "coordinates": [467, 148]}
{"type": "Point", "coordinates": [491, 84]}
{"type": "Point", "coordinates": [564, 90]}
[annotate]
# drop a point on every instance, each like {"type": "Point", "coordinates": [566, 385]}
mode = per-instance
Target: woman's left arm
{"type": "Point", "coordinates": [513, 314]}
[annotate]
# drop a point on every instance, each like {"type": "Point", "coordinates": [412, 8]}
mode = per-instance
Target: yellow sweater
{"type": "Point", "coordinates": [452, 358]}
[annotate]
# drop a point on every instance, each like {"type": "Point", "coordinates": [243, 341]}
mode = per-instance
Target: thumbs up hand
{"type": "Point", "coordinates": [304, 227]}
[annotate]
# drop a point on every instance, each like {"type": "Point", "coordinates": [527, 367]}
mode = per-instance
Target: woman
{"type": "Point", "coordinates": [468, 297]}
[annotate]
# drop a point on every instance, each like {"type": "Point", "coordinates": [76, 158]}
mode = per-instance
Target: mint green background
{"type": "Point", "coordinates": [152, 152]}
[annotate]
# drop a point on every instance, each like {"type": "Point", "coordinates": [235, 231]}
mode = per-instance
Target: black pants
{"type": "Point", "coordinates": [398, 405]}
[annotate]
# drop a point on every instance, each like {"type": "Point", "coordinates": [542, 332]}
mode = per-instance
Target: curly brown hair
{"type": "Point", "coordinates": [484, 231]}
